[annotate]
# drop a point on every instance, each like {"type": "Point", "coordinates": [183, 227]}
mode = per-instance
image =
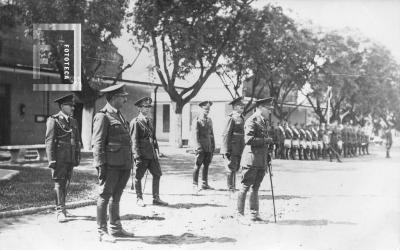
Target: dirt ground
{"type": "Point", "coordinates": [320, 205]}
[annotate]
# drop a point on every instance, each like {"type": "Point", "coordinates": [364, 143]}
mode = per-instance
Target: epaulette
{"type": "Point", "coordinates": [102, 111]}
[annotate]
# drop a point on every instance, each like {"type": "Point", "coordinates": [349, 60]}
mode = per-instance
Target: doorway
{"type": "Point", "coordinates": [5, 114]}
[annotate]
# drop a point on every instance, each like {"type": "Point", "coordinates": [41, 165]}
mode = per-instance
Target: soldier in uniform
{"type": "Point", "coordinates": [280, 137]}
{"type": "Point", "coordinates": [303, 142]}
{"type": "Point", "coordinates": [63, 150]}
{"type": "Point", "coordinates": [255, 157]}
{"type": "Point", "coordinates": [203, 143]}
{"type": "Point", "coordinates": [288, 140]}
{"type": "Point", "coordinates": [145, 151]}
{"type": "Point", "coordinates": [334, 139]}
{"type": "Point", "coordinates": [295, 142]}
{"type": "Point", "coordinates": [320, 140]}
{"type": "Point", "coordinates": [345, 140]}
{"type": "Point", "coordinates": [233, 142]}
{"type": "Point", "coordinates": [389, 140]}
{"type": "Point", "coordinates": [309, 139]}
{"type": "Point", "coordinates": [112, 157]}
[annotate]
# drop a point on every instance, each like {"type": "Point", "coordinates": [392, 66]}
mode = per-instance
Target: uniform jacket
{"type": "Point", "coordinates": [280, 134]}
{"type": "Point", "coordinates": [288, 133]}
{"type": "Point", "coordinates": [111, 142]}
{"type": "Point", "coordinates": [203, 134]}
{"type": "Point", "coordinates": [335, 137]}
{"type": "Point", "coordinates": [144, 143]}
{"type": "Point", "coordinates": [308, 136]}
{"type": "Point", "coordinates": [62, 140]}
{"type": "Point", "coordinates": [233, 135]}
{"type": "Point", "coordinates": [320, 134]}
{"type": "Point", "coordinates": [257, 140]}
{"type": "Point", "coordinates": [344, 134]}
{"type": "Point", "coordinates": [303, 134]}
{"type": "Point", "coordinates": [314, 134]}
{"type": "Point", "coordinates": [296, 133]}
{"type": "Point", "coordinates": [388, 138]}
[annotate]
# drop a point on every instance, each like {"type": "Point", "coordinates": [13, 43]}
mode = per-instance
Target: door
{"type": "Point", "coordinates": [5, 115]}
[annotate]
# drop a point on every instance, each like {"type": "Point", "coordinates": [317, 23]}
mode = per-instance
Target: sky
{"type": "Point", "coordinates": [378, 20]}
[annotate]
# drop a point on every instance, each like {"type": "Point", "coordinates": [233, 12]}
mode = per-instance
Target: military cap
{"type": "Point", "coordinates": [67, 99]}
{"type": "Point", "coordinates": [204, 103]}
{"type": "Point", "coordinates": [236, 101]}
{"type": "Point", "coordinates": [265, 102]}
{"type": "Point", "coordinates": [145, 101]}
{"type": "Point", "coordinates": [117, 89]}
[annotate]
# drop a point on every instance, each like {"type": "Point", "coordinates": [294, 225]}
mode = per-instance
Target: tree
{"type": "Point", "coordinates": [101, 22]}
{"type": "Point", "coordinates": [186, 37]}
{"type": "Point", "coordinates": [272, 54]}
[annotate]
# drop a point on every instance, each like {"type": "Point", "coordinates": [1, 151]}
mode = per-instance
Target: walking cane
{"type": "Point", "coordinates": [272, 188]}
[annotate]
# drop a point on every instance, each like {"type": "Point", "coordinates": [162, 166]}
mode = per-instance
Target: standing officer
{"type": "Point", "coordinates": [295, 143]}
{"type": "Point", "coordinates": [112, 157]}
{"type": "Point", "coordinates": [314, 134]}
{"type": "Point", "coordinates": [203, 143]}
{"type": "Point", "coordinates": [63, 149]}
{"type": "Point", "coordinates": [334, 139]}
{"type": "Point", "coordinates": [255, 157]}
{"type": "Point", "coordinates": [144, 149]}
{"type": "Point", "coordinates": [233, 142]}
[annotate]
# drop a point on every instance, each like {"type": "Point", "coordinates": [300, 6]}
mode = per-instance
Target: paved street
{"type": "Point", "coordinates": [320, 205]}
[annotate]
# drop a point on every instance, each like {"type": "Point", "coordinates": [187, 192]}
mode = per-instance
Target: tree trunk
{"type": "Point", "coordinates": [87, 121]}
{"type": "Point", "coordinates": [175, 137]}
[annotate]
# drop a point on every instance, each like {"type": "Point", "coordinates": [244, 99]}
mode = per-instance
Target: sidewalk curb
{"type": "Point", "coordinates": [33, 210]}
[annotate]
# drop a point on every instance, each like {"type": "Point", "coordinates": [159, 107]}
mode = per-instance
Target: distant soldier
{"type": "Point", "coordinates": [340, 140]}
{"type": "Point", "coordinates": [112, 157]}
{"type": "Point", "coordinates": [320, 132]}
{"type": "Point", "coordinates": [359, 139]}
{"type": "Point", "coordinates": [63, 150]}
{"type": "Point", "coordinates": [334, 139]}
{"type": "Point", "coordinates": [255, 157]}
{"type": "Point", "coordinates": [145, 151]}
{"type": "Point", "coordinates": [389, 140]}
{"type": "Point", "coordinates": [314, 133]}
{"type": "Point", "coordinates": [309, 139]}
{"type": "Point", "coordinates": [295, 142]}
{"type": "Point", "coordinates": [300, 148]}
{"type": "Point", "coordinates": [233, 141]}
{"type": "Point", "coordinates": [345, 139]}
{"type": "Point", "coordinates": [353, 139]}
{"type": "Point", "coordinates": [303, 142]}
{"type": "Point", "coordinates": [326, 140]}
{"type": "Point", "coordinates": [203, 143]}
{"type": "Point", "coordinates": [288, 140]}
{"type": "Point", "coordinates": [280, 135]}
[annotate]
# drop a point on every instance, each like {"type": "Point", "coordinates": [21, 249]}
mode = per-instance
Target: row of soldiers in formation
{"type": "Point", "coordinates": [117, 146]}
{"type": "Point", "coordinates": [317, 142]}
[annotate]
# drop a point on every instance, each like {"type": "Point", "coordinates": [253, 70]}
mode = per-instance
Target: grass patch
{"type": "Point", "coordinates": [34, 187]}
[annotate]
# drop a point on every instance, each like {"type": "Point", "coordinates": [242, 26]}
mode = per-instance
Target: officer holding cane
{"type": "Point", "coordinates": [63, 150]}
{"type": "Point", "coordinates": [255, 158]}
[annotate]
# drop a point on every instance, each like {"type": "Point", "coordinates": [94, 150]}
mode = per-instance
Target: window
{"type": "Point", "coordinates": [165, 118]}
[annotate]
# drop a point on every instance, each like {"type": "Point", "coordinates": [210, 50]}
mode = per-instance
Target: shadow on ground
{"type": "Point", "coordinates": [186, 238]}
{"type": "Point", "coordinates": [193, 205]}
{"type": "Point", "coordinates": [280, 197]}
{"type": "Point", "coordinates": [312, 222]}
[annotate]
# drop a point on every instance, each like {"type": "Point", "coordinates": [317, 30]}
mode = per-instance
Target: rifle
{"type": "Point", "coordinates": [269, 167]}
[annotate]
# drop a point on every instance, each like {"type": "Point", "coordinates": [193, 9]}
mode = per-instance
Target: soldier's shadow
{"type": "Point", "coordinates": [186, 238]}
{"type": "Point", "coordinates": [280, 197]}
{"type": "Point", "coordinates": [79, 217]}
{"type": "Point", "coordinates": [312, 222]}
{"type": "Point", "coordinates": [140, 217]}
{"type": "Point", "coordinates": [193, 205]}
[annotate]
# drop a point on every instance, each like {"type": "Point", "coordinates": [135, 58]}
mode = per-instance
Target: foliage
{"type": "Point", "coordinates": [186, 37]}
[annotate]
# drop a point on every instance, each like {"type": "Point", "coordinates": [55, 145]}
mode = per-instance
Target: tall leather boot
{"type": "Point", "coordinates": [116, 229]}
{"type": "Point", "coordinates": [229, 180]}
{"type": "Point", "coordinates": [101, 216]}
{"type": "Point", "coordinates": [300, 152]}
{"type": "Point", "coordinates": [254, 205]}
{"type": "Point", "coordinates": [156, 192]}
{"type": "Point", "coordinates": [241, 201]}
{"type": "Point", "coordinates": [204, 184]}
{"type": "Point", "coordinates": [60, 201]}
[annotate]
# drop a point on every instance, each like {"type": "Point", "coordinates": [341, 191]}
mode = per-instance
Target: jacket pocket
{"type": "Point", "coordinates": [116, 155]}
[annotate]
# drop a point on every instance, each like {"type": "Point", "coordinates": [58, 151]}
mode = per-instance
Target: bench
{"type": "Point", "coordinates": [18, 151]}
